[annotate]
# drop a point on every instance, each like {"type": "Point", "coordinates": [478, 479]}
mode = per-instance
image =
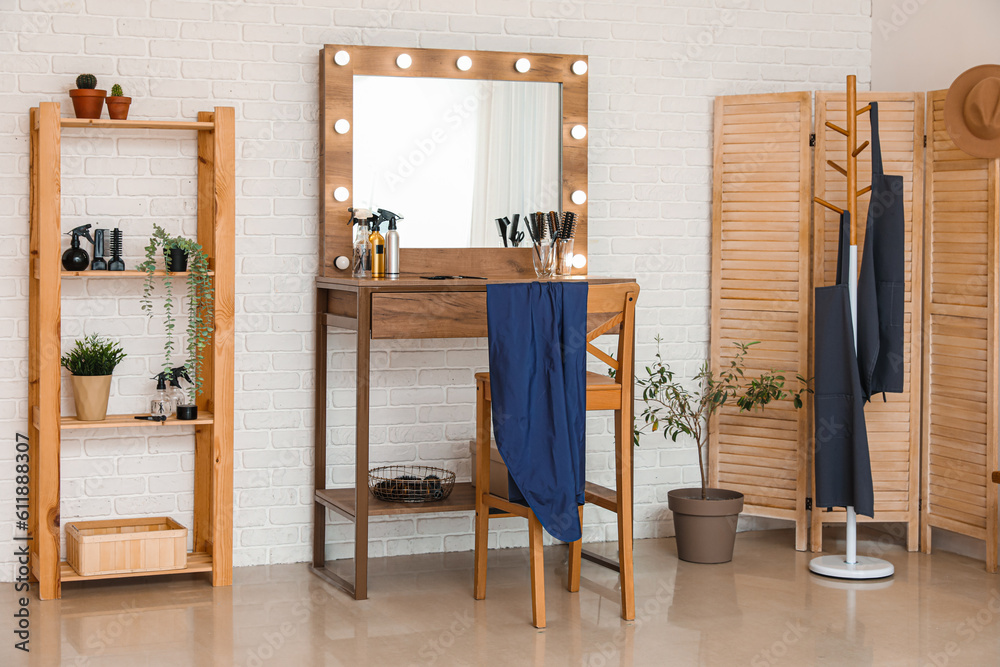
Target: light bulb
{"type": "Point", "coordinates": [464, 63]}
{"type": "Point", "coordinates": [403, 61]}
{"type": "Point", "coordinates": [522, 65]}
{"type": "Point", "coordinates": [342, 58]}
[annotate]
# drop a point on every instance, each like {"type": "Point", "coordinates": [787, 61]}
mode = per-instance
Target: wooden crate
{"type": "Point", "coordinates": [120, 546]}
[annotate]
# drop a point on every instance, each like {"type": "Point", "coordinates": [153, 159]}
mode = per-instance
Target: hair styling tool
{"type": "Point", "coordinates": [99, 263]}
{"type": "Point", "coordinates": [116, 263]}
{"type": "Point", "coordinates": [502, 228]}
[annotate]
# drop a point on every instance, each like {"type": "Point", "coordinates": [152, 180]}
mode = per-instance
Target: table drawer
{"type": "Point", "coordinates": [429, 315]}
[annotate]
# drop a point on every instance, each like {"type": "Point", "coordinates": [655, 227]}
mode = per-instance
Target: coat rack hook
{"type": "Point", "coordinates": [834, 126]}
{"type": "Point", "coordinates": [830, 206]}
{"type": "Point", "coordinates": [837, 167]}
{"type": "Point", "coordinates": [857, 151]}
{"type": "Point", "coordinates": [863, 109]}
{"type": "Point", "coordinates": [864, 190]}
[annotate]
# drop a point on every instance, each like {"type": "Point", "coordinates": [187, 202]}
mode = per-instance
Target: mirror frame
{"type": "Point", "coordinates": [337, 150]}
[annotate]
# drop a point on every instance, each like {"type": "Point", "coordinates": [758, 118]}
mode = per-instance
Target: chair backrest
{"type": "Point", "coordinates": [611, 309]}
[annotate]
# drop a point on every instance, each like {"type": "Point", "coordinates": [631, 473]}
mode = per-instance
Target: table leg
{"type": "Point", "coordinates": [361, 444]}
{"type": "Point", "coordinates": [319, 465]}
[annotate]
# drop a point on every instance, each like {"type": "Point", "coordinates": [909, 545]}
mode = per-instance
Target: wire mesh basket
{"type": "Point", "coordinates": [410, 484]}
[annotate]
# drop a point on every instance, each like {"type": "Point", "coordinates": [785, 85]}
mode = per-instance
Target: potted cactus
{"type": "Point", "coordinates": [117, 103]}
{"type": "Point", "coordinates": [88, 99]}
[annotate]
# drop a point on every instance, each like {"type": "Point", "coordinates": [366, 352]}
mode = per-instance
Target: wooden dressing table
{"type": "Point", "coordinates": [410, 307]}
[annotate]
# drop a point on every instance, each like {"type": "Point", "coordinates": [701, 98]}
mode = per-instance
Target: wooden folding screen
{"type": "Point", "coordinates": [893, 425]}
{"type": "Point", "coordinates": [961, 330]}
{"type": "Point", "coordinates": [761, 292]}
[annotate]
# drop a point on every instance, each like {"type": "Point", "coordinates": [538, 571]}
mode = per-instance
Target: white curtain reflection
{"type": "Point", "coordinates": [451, 155]}
{"type": "Point", "coordinates": [518, 161]}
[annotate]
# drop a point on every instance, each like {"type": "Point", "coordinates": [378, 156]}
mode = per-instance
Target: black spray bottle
{"type": "Point", "coordinates": [391, 244]}
{"type": "Point", "coordinates": [185, 409]}
{"type": "Point", "coordinates": [76, 258]}
{"type": "Point", "coordinates": [99, 263]}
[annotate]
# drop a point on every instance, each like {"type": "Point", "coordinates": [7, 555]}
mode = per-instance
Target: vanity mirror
{"type": "Point", "coordinates": [451, 140]}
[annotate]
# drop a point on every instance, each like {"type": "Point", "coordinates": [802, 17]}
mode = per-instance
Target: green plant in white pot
{"type": "Point", "coordinates": [705, 518]}
{"type": "Point", "coordinates": [91, 362]}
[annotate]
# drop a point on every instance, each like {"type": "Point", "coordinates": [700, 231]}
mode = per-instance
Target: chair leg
{"type": "Point", "coordinates": [482, 473]}
{"type": "Point", "coordinates": [575, 556]}
{"type": "Point", "coordinates": [537, 571]}
{"type": "Point", "coordinates": [623, 460]}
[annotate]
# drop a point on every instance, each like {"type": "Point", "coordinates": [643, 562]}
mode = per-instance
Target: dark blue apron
{"type": "Point", "coordinates": [843, 466]}
{"type": "Point", "coordinates": [882, 281]}
{"type": "Point", "coordinates": [538, 364]}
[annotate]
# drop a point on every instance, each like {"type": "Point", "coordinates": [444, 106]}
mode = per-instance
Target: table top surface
{"type": "Point", "coordinates": [409, 281]}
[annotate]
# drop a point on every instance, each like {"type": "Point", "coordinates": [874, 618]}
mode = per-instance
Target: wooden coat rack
{"type": "Point", "coordinates": [850, 566]}
{"type": "Point", "coordinates": [853, 151]}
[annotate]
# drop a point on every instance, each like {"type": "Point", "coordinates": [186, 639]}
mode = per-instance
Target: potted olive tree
{"type": "Point", "coordinates": [181, 255]}
{"type": "Point", "coordinates": [705, 518]}
{"type": "Point", "coordinates": [91, 362]}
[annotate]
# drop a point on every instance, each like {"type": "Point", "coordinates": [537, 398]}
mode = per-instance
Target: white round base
{"type": "Point", "coordinates": [838, 567]}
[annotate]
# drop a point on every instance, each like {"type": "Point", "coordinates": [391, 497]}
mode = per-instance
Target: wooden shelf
{"type": "Point", "coordinates": [121, 274]}
{"type": "Point", "coordinates": [462, 499]}
{"type": "Point", "coordinates": [138, 124]}
{"type": "Point", "coordinates": [130, 421]}
{"type": "Point", "coordinates": [212, 529]}
{"type": "Point", "coordinates": [196, 562]}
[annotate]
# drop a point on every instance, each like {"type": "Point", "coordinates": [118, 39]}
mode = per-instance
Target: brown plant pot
{"type": "Point", "coordinates": [705, 528]}
{"type": "Point", "coordinates": [87, 102]}
{"type": "Point", "coordinates": [118, 107]}
{"type": "Point", "coordinates": [90, 393]}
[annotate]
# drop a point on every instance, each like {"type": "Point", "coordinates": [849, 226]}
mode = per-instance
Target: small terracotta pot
{"type": "Point", "coordinates": [87, 102]}
{"type": "Point", "coordinates": [118, 107]}
{"type": "Point", "coordinates": [705, 528]}
{"type": "Point", "coordinates": [90, 393]}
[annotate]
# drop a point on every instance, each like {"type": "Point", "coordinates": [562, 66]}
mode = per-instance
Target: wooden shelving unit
{"type": "Point", "coordinates": [213, 431]}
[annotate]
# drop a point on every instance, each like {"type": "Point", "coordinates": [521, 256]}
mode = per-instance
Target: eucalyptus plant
{"type": "Point", "coordinates": [674, 409]}
{"type": "Point", "coordinates": [93, 355]}
{"type": "Point", "coordinates": [200, 297]}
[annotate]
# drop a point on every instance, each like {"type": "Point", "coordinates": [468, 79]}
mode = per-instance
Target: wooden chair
{"type": "Point", "coordinates": [610, 309]}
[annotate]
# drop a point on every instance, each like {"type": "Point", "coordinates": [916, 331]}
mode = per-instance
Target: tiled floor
{"type": "Point", "coordinates": [764, 608]}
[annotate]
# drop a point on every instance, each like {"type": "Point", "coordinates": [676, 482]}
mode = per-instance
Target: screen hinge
{"type": "Point", "coordinates": [812, 138]}
{"type": "Point", "coordinates": [925, 141]}
{"type": "Point", "coordinates": [809, 503]}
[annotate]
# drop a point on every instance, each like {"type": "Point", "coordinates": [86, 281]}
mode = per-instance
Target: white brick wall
{"type": "Point", "coordinates": [654, 68]}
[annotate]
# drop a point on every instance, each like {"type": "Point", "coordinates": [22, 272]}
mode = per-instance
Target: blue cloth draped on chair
{"type": "Point", "coordinates": [538, 363]}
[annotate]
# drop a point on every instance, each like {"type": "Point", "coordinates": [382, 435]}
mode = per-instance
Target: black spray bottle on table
{"type": "Point", "coordinates": [99, 263]}
{"type": "Point", "coordinates": [76, 258]}
{"type": "Point", "coordinates": [378, 249]}
{"type": "Point", "coordinates": [391, 243]}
